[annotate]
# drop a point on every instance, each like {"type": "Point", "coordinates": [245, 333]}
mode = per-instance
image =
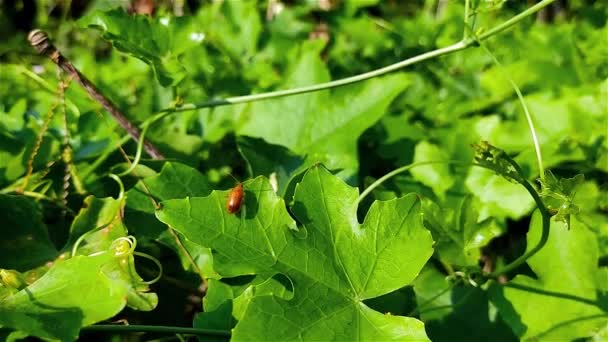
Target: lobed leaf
{"type": "Point", "coordinates": [332, 261]}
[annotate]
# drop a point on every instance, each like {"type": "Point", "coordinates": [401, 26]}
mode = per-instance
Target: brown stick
{"type": "Point", "coordinates": [41, 42]}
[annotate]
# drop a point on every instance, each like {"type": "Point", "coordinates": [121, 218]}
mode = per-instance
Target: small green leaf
{"type": "Point", "coordinates": [498, 196]}
{"type": "Point", "coordinates": [233, 27]}
{"type": "Point", "coordinates": [331, 259]}
{"type": "Point", "coordinates": [14, 119]}
{"type": "Point", "coordinates": [558, 195]}
{"type": "Point", "coordinates": [158, 42]}
{"type": "Point", "coordinates": [459, 234]}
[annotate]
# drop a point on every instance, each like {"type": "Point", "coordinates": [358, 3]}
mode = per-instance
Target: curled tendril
{"type": "Point", "coordinates": [121, 186]}
{"type": "Point", "coordinates": [140, 147]}
{"type": "Point", "coordinates": [85, 235]}
{"type": "Point", "coordinates": [123, 246]}
{"type": "Point", "coordinates": [155, 261]}
{"type": "Point", "coordinates": [463, 277]}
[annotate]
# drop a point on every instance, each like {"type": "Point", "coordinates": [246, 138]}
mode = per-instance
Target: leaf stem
{"type": "Point", "coordinates": [44, 84]}
{"type": "Point", "coordinates": [103, 157]}
{"type": "Point", "coordinates": [563, 324]}
{"type": "Point", "coordinates": [561, 295]}
{"type": "Point", "coordinates": [155, 328]}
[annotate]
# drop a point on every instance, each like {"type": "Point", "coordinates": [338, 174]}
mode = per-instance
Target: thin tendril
{"type": "Point", "coordinates": [403, 169]}
{"type": "Point", "coordinates": [539, 157]}
{"type": "Point", "coordinates": [37, 145]}
{"type": "Point", "coordinates": [121, 186]}
{"type": "Point", "coordinates": [85, 235]}
{"type": "Point", "coordinates": [155, 261]}
{"type": "Point", "coordinates": [140, 147]}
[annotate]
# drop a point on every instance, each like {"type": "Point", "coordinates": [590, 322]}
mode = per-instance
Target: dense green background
{"type": "Point", "coordinates": [331, 270]}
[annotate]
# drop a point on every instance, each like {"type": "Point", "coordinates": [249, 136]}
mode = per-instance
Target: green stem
{"type": "Point", "coordinates": [467, 5]}
{"type": "Point", "coordinates": [322, 86]}
{"type": "Point", "coordinates": [563, 324]}
{"type": "Point", "coordinates": [544, 237]}
{"type": "Point", "coordinates": [400, 170]}
{"type": "Point", "coordinates": [458, 302]}
{"type": "Point", "coordinates": [514, 20]}
{"type": "Point", "coordinates": [155, 328]}
{"type": "Point", "coordinates": [41, 196]}
{"type": "Point", "coordinates": [555, 294]}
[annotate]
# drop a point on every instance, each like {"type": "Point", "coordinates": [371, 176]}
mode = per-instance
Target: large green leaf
{"type": "Point", "coordinates": [561, 303]}
{"type": "Point", "coordinates": [158, 42]}
{"type": "Point", "coordinates": [72, 294]}
{"type": "Point", "coordinates": [323, 125]}
{"type": "Point", "coordinates": [332, 262]}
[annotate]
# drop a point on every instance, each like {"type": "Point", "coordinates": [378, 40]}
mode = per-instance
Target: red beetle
{"type": "Point", "coordinates": [235, 199]}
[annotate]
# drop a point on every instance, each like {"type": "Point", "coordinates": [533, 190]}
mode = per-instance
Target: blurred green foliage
{"type": "Point", "coordinates": [197, 51]}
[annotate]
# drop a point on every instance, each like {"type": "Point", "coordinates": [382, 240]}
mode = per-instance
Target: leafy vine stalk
{"type": "Point", "coordinates": [461, 45]}
{"type": "Point", "coordinates": [465, 43]}
{"type": "Point", "coordinates": [545, 214]}
{"type": "Point", "coordinates": [544, 237]}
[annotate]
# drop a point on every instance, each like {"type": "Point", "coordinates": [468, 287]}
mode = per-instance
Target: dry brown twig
{"type": "Point", "coordinates": [41, 42]}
